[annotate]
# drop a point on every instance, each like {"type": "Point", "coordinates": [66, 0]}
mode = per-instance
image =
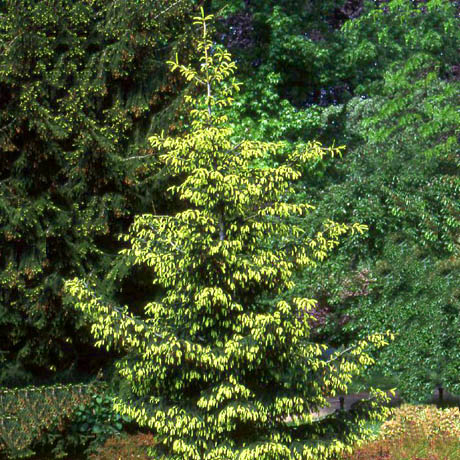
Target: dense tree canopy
{"type": "Point", "coordinates": [79, 84]}
{"type": "Point", "coordinates": [401, 178]}
{"type": "Point", "coordinates": [385, 83]}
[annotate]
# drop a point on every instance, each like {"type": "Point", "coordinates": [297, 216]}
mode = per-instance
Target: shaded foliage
{"type": "Point", "coordinates": [383, 80]}
{"type": "Point", "coordinates": [81, 85]}
{"type": "Point", "coordinates": [402, 179]}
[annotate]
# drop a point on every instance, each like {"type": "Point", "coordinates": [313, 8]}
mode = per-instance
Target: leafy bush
{"type": "Point", "coordinates": [423, 422]}
{"type": "Point", "coordinates": [89, 426]}
{"type": "Point", "coordinates": [56, 420]}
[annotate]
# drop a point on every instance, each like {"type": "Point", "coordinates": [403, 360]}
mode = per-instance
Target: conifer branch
{"type": "Point", "coordinates": [4, 128]}
{"type": "Point", "coordinates": [167, 9]}
{"type": "Point", "coordinates": [139, 157]}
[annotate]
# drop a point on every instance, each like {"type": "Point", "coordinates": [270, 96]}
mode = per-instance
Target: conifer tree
{"type": "Point", "coordinates": [81, 83]}
{"type": "Point", "coordinates": [223, 361]}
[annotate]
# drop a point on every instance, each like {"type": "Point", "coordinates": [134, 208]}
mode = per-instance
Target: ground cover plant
{"type": "Point", "coordinates": [218, 364]}
{"type": "Point", "coordinates": [125, 447]}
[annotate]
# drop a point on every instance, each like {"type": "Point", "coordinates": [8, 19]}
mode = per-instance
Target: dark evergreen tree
{"type": "Point", "coordinates": [81, 86]}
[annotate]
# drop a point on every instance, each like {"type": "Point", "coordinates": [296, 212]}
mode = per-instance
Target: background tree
{"type": "Point", "coordinates": [81, 86]}
{"type": "Point", "coordinates": [382, 78]}
{"type": "Point", "coordinates": [401, 178]}
{"type": "Point", "coordinates": [220, 363]}
{"type": "Point", "coordinates": [289, 52]}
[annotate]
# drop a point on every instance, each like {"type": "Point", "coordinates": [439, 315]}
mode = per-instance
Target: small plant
{"type": "Point", "coordinates": [423, 421]}
{"type": "Point", "coordinates": [56, 420]}
{"type": "Point", "coordinates": [89, 427]}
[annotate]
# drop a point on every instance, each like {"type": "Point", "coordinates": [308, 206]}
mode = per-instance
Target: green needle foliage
{"type": "Point", "coordinates": [80, 82]}
{"type": "Point", "coordinates": [221, 365]}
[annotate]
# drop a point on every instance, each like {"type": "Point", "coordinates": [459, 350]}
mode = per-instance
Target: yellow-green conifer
{"type": "Point", "coordinates": [223, 364]}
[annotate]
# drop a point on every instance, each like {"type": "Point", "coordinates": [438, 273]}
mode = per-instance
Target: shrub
{"type": "Point", "coordinates": [415, 432]}
{"type": "Point", "coordinates": [26, 414]}
{"type": "Point", "coordinates": [86, 429]}
{"type": "Point", "coordinates": [423, 421]}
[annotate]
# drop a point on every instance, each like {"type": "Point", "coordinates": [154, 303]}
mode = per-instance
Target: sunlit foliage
{"type": "Point", "coordinates": [223, 361]}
